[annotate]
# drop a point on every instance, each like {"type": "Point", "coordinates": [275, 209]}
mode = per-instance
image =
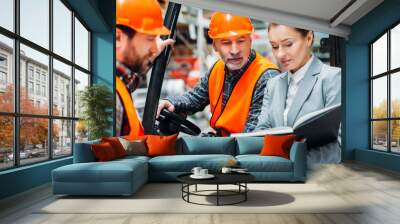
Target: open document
{"type": "Point", "coordinates": [319, 127]}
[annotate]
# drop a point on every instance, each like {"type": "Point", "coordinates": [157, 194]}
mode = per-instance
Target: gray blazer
{"type": "Point", "coordinates": [320, 88]}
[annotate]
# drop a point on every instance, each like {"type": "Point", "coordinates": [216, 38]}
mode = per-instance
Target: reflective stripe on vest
{"type": "Point", "coordinates": [232, 119]}
{"type": "Point", "coordinates": [135, 125]}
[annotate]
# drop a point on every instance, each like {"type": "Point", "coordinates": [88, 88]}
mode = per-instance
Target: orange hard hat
{"type": "Point", "coordinates": [225, 25]}
{"type": "Point", "coordinates": [143, 16]}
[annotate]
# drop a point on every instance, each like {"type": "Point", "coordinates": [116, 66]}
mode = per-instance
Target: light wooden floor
{"type": "Point", "coordinates": [379, 189]}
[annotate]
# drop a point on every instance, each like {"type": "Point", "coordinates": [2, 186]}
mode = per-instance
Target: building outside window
{"type": "Point", "coordinates": [385, 92]}
{"type": "Point", "coordinates": [30, 87]}
{"type": "Point", "coordinates": [37, 75]}
{"type": "Point", "coordinates": [3, 61]}
{"type": "Point", "coordinates": [3, 72]}
{"type": "Point", "coordinates": [55, 97]}
{"type": "Point", "coordinates": [3, 81]}
{"type": "Point", "coordinates": [57, 128]}
{"type": "Point", "coordinates": [38, 89]}
{"type": "Point", "coordinates": [30, 72]}
{"type": "Point", "coordinates": [3, 78]}
{"type": "Point", "coordinates": [44, 77]}
{"type": "Point", "coordinates": [43, 90]}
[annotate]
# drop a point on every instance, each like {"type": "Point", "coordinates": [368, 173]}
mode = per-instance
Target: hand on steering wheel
{"type": "Point", "coordinates": [171, 123]}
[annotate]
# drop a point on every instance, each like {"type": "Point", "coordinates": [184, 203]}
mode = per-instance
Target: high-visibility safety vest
{"type": "Point", "coordinates": [136, 128]}
{"type": "Point", "coordinates": [232, 118]}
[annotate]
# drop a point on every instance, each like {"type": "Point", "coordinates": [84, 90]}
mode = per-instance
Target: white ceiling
{"type": "Point", "coordinates": [317, 15]}
{"type": "Point", "coordinates": [321, 9]}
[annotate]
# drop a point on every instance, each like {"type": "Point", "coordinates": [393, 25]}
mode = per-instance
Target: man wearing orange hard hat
{"type": "Point", "coordinates": [234, 87]}
{"type": "Point", "coordinates": [139, 25]}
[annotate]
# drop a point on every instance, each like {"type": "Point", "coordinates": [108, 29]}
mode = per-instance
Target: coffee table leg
{"type": "Point", "coordinates": [188, 189]}
{"type": "Point", "coordinates": [245, 191]}
{"type": "Point", "coordinates": [196, 188]}
{"type": "Point", "coordinates": [185, 187]}
{"type": "Point", "coordinates": [217, 194]}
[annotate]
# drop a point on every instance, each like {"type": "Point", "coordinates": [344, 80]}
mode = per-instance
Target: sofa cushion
{"type": "Point", "coordinates": [277, 145]}
{"type": "Point", "coordinates": [134, 147]}
{"type": "Point", "coordinates": [112, 171]}
{"type": "Point", "coordinates": [116, 145]}
{"type": "Point", "coordinates": [103, 152]}
{"type": "Point", "coordinates": [83, 152]}
{"type": "Point", "coordinates": [249, 145]}
{"type": "Point", "coordinates": [206, 145]}
{"type": "Point", "coordinates": [161, 145]}
{"type": "Point", "coordinates": [185, 163]}
{"type": "Point", "coordinates": [257, 163]}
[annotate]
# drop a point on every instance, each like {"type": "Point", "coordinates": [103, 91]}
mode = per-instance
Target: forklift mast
{"type": "Point", "coordinates": [158, 71]}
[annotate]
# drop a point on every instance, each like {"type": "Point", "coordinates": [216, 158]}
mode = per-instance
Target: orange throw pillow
{"type": "Point", "coordinates": [116, 145]}
{"type": "Point", "coordinates": [161, 145]}
{"type": "Point", "coordinates": [103, 152]}
{"type": "Point", "coordinates": [277, 145]}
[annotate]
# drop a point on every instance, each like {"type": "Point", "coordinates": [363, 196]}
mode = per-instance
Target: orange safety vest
{"type": "Point", "coordinates": [136, 128]}
{"type": "Point", "coordinates": [232, 119]}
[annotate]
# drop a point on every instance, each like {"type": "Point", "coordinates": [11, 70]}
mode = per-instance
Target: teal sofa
{"type": "Point", "coordinates": [125, 176]}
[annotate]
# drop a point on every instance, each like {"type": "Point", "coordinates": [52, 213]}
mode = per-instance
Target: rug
{"type": "Point", "coordinates": [167, 198]}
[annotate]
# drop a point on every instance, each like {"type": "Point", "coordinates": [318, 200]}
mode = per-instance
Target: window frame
{"type": "Point", "coordinates": [16, 115]}
{"type": "Point", "coordinates": [388, 74]}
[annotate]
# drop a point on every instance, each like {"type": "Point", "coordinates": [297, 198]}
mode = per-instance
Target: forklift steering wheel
{"type": "Point", "coordinates": [172, 123]}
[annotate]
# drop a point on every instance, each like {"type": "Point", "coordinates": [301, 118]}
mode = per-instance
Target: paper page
{"type": "Point", "coordinates": [270, 131]}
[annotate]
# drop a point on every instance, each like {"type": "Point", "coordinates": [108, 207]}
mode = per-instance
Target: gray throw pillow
{"type": "Point", "coordinates": [133, 147]}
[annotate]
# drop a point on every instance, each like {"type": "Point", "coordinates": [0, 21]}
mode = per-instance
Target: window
{"type": "Point", "coordinates": [6, 73]}
{"type": "Point", "coordinates": [44, 91]}
{"type": "Point", "coordinates": [35, 22]}
{"type": "Point", "coordinates": [62, 137]}
{"type": "Point", "coordinates": [81, 45]}
{"type": "Point", "coordinates": [7, 14]}
{"type": "Point", "coordinates": [3, 72]}
{"type": "Point", "coordinates": [37, 74]}
{"type": "Point", "coordinates": [62, 74]}
{"type": "Point", "coordinates": [30, 73]}
{"type": "Point", "coordinates": [30, 87]}
{"type": "Point", "coordinates": [3, 61]}
{"type": "Point", "coordinates": [6, 142]}
{"type": "Point", "coordinates": [3, 78]}
{"type": "Point", "coordinates": [33, 147]}
{"type": "Point", "coordinates": [3, 81]}
{"type": "Point", "coordinates": [46, 79]}
{"type": "Point", "coordinates": [81, 81]}
{"type": "Point", "coordinates": [38, 89]}
{"type": "Point", "coordinates": [395, 47]}
{"type": "Point", "coordinates": [62, 29]}
{"type": "Point", "coordinates": [385, 94]}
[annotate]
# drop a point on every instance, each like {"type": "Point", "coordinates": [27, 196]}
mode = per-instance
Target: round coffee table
{"type": "Point", "coordinates": [238, 179]}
